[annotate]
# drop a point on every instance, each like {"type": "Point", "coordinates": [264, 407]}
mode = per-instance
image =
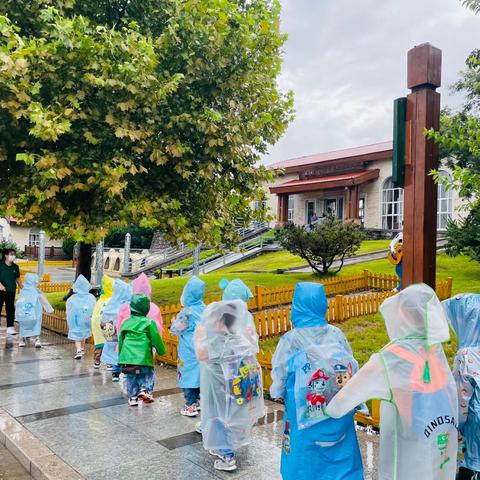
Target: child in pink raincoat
{"type": "Point", "coordinates": [141, 285]}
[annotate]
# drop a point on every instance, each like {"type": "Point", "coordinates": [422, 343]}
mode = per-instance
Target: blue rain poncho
{"type": "Point", "coordinates": [28, 310]}
{"type": "Point", "coordinates": [230, 376]}
{"type": "Point", "coordinates": [411, 375]}
{"type": "Point", "coordinates": [464, 314]}
{"type": "Point", "coordinates": [184, 326]}
{"type": "Point", "coordinates": [311, 364]}
{"type": "Point", "coordinates": [79, 310]}
{"type": "Point", "coordinates": [122, 293]}
{"type": "Point", "coordinates": [237, 290]}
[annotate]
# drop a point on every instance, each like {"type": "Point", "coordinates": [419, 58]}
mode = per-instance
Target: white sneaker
{"type": "Point", "coordinates": [225, 464]}
{"type": "Point", "coordinates": [11, 331]}
{"type": "Point", "coordinates": [38, 343]}
{"type": "Point", "coordinates": [22, 342]}
{"type": "Point", "coordinates": [78, 355]}
{"type": "Point", "coordinates": [133, 401]}
{"type": "Point", "coordinates": [109, 367]}
{"type": "Point", "coordinates": [198, 427]}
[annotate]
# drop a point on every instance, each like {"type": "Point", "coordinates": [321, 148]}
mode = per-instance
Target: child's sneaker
{"type": "Point", "coordinates": [115, 377]}
{"type": "Point", "coordinates": [214, 453]}
{"type": "Point", "coordinates": [189, 411]}
{"type": "Point", "coordinates": [197, 405]}
{"type": "Point", "coordinates": [11, 331]}
{"type": "Point", "coordinates": [198, 427]}
{"type": "Point", "coordinates": [96, 365]}
{"type": "Point", "coordinates": [225, 464]}
{"type": "Point", "coordinates": [109, 367]}
{"type": "Point", "coordinates": [38, 343]}
{"type": "Point", "coordinates": [146, 397]}
{"type": "Point", "coordinates": [78, 355]}
{"type": "Point", "coordinates": [133, 401]}
{"type": "Point", "coordinates": [22, 342]}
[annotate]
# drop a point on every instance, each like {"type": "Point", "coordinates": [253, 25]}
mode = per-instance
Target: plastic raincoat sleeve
{"type": "Point", "coordinates": [180, 324]}
{"type": "Point", "coordinates": [199, 339]}
{"type": "Point", "coordinates": [157, 341]}
{"type": "Point", "coordinates": [45, 303]}
{"type": "Point", "coordinates": [279, 369]}
{"type": "Point", "coordinates": [370, 382]}
{"type": "Point", "coordinates": [465, 388]}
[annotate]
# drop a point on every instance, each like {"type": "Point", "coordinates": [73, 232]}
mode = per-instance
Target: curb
{"type": "Point", "coordinates": [37, 459]}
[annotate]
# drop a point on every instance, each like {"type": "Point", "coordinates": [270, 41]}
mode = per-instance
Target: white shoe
{"type": "Point", "coordinates": [78, 355]}
{"type": "Point", "coordinates": [11, 331]}
{"type": "Point", "coordinates": [133, 401]}
{"type": "Point", "coordinates": [226, 465]}
{"type": "Point", "coordinates": [38, 343]}
{"type": "Point", "coordinates": [22, 342]}
{"type": "Point", "coordinates": [198, 427]}
{"type": "Point", "coordinates": [190, 411]}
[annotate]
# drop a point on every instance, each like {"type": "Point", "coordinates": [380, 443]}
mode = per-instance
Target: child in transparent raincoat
{"type": "Point", "coordinates": [98, 338]}
{"type": "Point", "coordinates": [28, 311]}
{"type": "Point", "coordinates": [141, 286]}
{"type": "Point", "coordinates": [184, 327]}
{"type": "Point", "coordinates": [79, 314]}
{"type": "Point", "coordinates": [122, 293]}
{"type": "Point", "coordinates": [230, 380]}
{"type": "Point", "coordinates": [418, 417]}
{"type": "Point", "coordinates": [312, 362]}
{"type": "Point", "coordinates": [464, 314]}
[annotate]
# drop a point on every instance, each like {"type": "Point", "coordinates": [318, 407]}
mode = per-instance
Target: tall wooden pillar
{"type": "Point", "coordinates": [353, 199]}
{"type": "Point", "coordinates": [282, 209]}
{"type": "Point", "coordinates": [420, 194]}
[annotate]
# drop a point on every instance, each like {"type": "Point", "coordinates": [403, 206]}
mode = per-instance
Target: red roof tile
{"type": "Point", "coordinates": [323, 183]}
{"type": "Point", "coordinates": [376, 150]}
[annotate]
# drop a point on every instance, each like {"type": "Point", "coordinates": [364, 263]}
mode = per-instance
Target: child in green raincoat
{"type": "Point", "coordinates": [138, 335]}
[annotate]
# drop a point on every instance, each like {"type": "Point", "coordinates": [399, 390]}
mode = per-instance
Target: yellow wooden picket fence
{"type": "Point", "coordinates": [55, 287]}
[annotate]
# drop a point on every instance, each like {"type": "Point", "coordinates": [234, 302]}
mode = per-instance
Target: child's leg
{"type": "Point", "coordinates": [147, 381]}
{"type": "Point", "coordinates": [116, 371]}
{"type": "Point", "coordinates": [78, 345]}
{"type": "Point", "coordinates": [132, 385]}
{"type": "Point", "coordinates": [97, 354]}
{"type": "Point", "coordinates": [190, 396]}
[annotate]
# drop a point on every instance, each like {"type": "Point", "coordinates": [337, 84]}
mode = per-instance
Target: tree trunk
{"type": "Point", "coordinates": [84, 261]}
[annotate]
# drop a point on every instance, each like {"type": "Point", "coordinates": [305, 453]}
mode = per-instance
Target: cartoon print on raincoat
{"type": "Point", "coordinates": [184, 326]}
{"type": "Point", "coordinates": [232, 394]}
{"type": "Point", "coordinates": [122, 293]}
{"type": "Point", "coordinates": [79, 310]}
{"type": "Point", "coordinates": [464, 315]}
{"type": "Point", "coordinates": [141, 286]}
{"type": "Point", "coordinates": [105, 295]}
{"type": "Point", "coordinates": [308, 369]}
{"type": "Point", "coordinates": [418, 417]}
{"type": "Point", "coordinates": [28, 309]}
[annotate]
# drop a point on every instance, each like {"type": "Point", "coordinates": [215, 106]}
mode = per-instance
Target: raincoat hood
{"type": "Point", "coordinates": [141, 285]}
{"type": "Point", "coordinates": [81, 285]}
{"type": "Point", "coordinates": [140, 305]}
{"type": "Point", "coordinates": [31, 280]}
{"type": "Point", "coordinates": [309, 305]}
{"type": "Point", "coordinates": [416, 312]}
{"type": "Point", "coordinates": [464, 315]}
{"type": "Point", "coordinates": [122, 293]}
{"type": "Point", "coordinates": [235, 290]}
{"type": "Point", "coordinates": [107, 287]}
{"type": "Point", "coordinates": [193, 292]}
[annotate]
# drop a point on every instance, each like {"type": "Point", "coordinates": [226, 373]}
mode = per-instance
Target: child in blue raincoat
{"type": "Point", "coordinates": [463, 312]}
{"type": "Point", "coordinates": [28, 310]}
{"type": "Point", "coordinates": [79, 314]}
{"type": "Point", "coordinates": [122, 293]}
{"type": "Point", "coordinates": [184, 327]}
{"type": "Point", "coordinates": [311, 364]}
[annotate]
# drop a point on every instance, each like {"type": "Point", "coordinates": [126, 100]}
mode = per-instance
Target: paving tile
{"type": "Point", "coordinates": [11, 468]}
{"type": "Point", "coordinates": [50, 467]}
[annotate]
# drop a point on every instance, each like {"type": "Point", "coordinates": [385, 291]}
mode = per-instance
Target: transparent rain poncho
{"type": "Point", "coordinates": [79, 310]}
{"type": "Point", "coordinates": [464, 314]}
{"type": "Point", "coordinates": [141, 286]}
{"type": "Point", "coordinates": [184, 326]}
{"type": "Point", "coordinates": [28, 309]}
{"type": "Point", "coordinates": [418, 417]}
{"type": "Point", "coordinates": [312, 362]}
{"type": "Point", "coordinates": [105, 295]}
{"type": "Point", "coordinates": [230, 378]}
{"type": "Point", "coordinates": [122, 293]}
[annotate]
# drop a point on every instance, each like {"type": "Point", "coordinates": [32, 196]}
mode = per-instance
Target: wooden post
{"type": "Point", "coordinates": [259, 297]}
{"type": "Point", "coordinates": [420, 195]}
{"type": "Point", "coordinates": [339, 317]}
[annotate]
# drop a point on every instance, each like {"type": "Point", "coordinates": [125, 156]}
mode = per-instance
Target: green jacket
{"type": "Point", "coordinates": [138, 335]}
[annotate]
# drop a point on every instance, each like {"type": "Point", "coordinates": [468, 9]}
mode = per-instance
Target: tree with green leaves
{"type": "Point", "coordinates": [327, 241]}
{"type": "Point", "coordinates": [151, 113]}
{"type": "Point", "coordinates": [460, 145]}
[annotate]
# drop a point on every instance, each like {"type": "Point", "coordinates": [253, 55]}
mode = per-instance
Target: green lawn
{"type": "Point", "coordinates": [271, 262]}
{"type": "Point", "coordinates": [188, 261]}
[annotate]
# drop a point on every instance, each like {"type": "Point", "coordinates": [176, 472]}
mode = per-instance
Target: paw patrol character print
{"type": "Point", "coordinates": [342, 374]}
{"type": "Point", "coordinates": [316, 398]}
{"type": "Point", "coordinates": [286, 438]}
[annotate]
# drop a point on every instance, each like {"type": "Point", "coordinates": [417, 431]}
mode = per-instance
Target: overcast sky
{"type": "Point", "coordinates": [345, 61]}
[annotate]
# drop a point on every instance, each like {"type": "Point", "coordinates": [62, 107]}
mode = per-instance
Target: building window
{"type": "Point", "coordinates": [34, 237]}
{"type": "Point", "coordinates": [291, 206]}
{"type": "Point", "coordinates": [392, 206]}
{"type": "Point", "coordinates": [361, 210]}
{"type": "Point", "coordinates": [333, 206]}
{"type": "Point", "coordinates": [445, 205]}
